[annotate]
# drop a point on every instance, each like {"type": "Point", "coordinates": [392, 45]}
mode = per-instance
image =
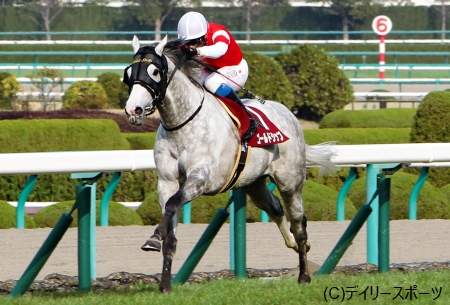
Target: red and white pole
{"type": "Point", "coordinates": [382, 60]}
{"type": "Point", "coordinates": [382, 25]}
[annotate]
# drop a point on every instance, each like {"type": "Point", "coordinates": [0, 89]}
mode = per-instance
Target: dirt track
{"type": "Point", "coordinates": [118, 248]}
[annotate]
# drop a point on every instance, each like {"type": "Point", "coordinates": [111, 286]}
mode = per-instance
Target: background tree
{"type": "Point", "coordinates": [85, 94]}
{"type": "Point", "coordinates": [155, 12]}
{"type": "Point", "coordinates": [44, 12]}
{"type": "Point", "coordinates": [252, 9]}
{"type": "Point", "coordinates": [9, 87]}
{"type": "Point", "coordinates": [320, 87]}
{"type": "Point", "coordinates": [7, 2]}
{"type": "Point", "coordinates": [45, 81]}
{"type": "Point", "coordinates": [443, 18]}
{"type": "Point", "coordinates": [268, 80]}
{"type": "Point", "coordinates": [432, 125]}
{"type": "Point", "coordinates": [351, 11]}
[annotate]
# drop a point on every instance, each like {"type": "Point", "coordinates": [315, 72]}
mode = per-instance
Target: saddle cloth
{"type": "Point", "coordinates": [266, 134]}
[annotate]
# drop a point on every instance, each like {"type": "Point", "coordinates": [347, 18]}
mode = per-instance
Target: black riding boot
{"type": "Point", "coordinates": [253, 124]}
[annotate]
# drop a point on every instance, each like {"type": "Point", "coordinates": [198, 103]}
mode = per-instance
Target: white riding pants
{"type": "Point", "coordinates": [236, 76]}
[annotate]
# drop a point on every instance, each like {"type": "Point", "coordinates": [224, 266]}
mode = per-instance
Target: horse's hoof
{"type": "Point", "coordinates": [304, 279]}
{"type": "Point", "coordinates": [152, 245]}
{"type": "Point", "coordinates": [166, 285]}
{"type": "Point", "coordinates": [165, 290]}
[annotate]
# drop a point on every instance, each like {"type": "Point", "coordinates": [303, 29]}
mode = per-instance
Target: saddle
{"type": "Point", "coordinates": [266, 134]}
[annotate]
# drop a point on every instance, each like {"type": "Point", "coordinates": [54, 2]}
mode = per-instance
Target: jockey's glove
{"type": "Point", "coordinates": [190, 52]}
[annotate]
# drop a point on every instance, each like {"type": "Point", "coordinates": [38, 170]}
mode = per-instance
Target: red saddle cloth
{"type": "Point", "coordinates": [266, 134]}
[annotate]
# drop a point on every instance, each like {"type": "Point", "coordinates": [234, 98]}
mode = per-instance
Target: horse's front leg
{"type": "Point", "coordinates": [169, 249]}
{"type": "Point", "coordinates": [193, 187]}
{"type": "Point", "coordinates": [164, 234]}
{"type": "Point", "coordinates": [174, 203]}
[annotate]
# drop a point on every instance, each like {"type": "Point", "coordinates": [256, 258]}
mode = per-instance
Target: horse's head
{"type": "Point", "coordinates": [146, 78]}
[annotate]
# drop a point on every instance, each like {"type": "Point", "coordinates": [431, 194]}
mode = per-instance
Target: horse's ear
{"type": "Point", "coordinates": [160, 47]}
{"type": "Point", "coordinates": [135, 43]}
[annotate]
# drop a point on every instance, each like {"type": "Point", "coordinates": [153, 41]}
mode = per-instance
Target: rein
{"type": "Point", "coordinates": [190, 118]}
{"type": "Point", "coordinates": [178, 65]}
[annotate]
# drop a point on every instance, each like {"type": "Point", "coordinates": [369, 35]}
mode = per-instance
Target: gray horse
{"type": "Point", "coordinates": [197, 145]}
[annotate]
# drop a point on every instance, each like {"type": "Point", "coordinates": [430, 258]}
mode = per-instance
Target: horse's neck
{"type": "Point", "coordinates": [182, 99]}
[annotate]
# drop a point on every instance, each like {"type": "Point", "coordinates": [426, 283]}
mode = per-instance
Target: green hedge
{"type": "Point", "coordinates": [446, 190]}
{"type": "Point", "coordinates": [119, 215]}
{"type": "Point", "coordinates": [141, 141]}
{"type": "Point", "coordinates": [387, 117]}
{"type": "Point", "coordinates": [346, 136]}
{"type": "Point", "coordinates": [268, 80]}
{"type": "Point", "coordinates": [203, 209]}
{"type": "Point", "coordinates": [432, 203]}
{"type": "Point", "coordinates": [319, 204]}
{"type": "Point", "coordinates": [67, 135]}
{"type": "Point", "coordinates": [319, 86]}
{"type": "Point", "coordinates": [60, 135]}
{"type": "Point", "coordinates": [350, 136]}
{"type": "Point", "coordinates": [8, 217]}
{"type": "Point", "coordinates": [432, 125]}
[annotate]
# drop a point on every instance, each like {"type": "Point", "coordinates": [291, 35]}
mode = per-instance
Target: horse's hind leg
{"type": "Point", "coordinates": [263, 199]}
{"type": "Point", "coordinates": [294, 207]}
{"type": "Point", "coordinates": [266, 201]}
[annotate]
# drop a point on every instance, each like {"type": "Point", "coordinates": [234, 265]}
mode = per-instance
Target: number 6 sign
{"type": "Point", "coordinates": [382, 25]}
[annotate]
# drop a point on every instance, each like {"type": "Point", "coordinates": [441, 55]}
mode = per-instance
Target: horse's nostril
{"type": "Point", "coordinates": [138, 111]}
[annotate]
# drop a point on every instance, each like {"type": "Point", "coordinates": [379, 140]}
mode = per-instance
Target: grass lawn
{"type": "Point", "coordinates": [426, 287]}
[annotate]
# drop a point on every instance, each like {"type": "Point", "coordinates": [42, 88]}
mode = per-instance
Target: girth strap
{"type": "Point", "coordinates": [242, 160]}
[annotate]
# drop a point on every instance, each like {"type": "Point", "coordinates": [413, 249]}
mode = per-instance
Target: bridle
{"type": "Point", "coordinates": [143, 58]}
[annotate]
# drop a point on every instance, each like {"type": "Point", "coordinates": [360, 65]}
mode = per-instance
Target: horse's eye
{"type": "Point", "coordinates": [155, 72]}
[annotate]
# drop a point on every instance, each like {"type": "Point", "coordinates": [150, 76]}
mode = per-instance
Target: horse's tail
{"type": "Point", "coordinates": [320, 155]}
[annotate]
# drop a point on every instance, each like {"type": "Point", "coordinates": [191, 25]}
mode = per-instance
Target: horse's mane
{"type": "Point", "coordinates": [173, 52]}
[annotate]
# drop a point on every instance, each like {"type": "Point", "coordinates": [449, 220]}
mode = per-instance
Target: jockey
{"type": "Point", "coordinates": [215, 45]}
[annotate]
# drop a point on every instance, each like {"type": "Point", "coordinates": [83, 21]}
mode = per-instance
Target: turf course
{"type": "Point", "coordinates": [426, 287]}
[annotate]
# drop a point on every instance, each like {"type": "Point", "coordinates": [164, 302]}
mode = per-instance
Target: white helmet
{"type": "Point", "coordinates": [191, 26]}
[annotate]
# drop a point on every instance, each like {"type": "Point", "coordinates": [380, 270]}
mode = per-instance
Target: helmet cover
{"type": "Point", "coordinates": [192, 25]}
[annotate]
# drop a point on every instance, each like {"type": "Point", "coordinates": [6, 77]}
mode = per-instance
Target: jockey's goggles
{"type": "Point", "coordinates": [196, 41]}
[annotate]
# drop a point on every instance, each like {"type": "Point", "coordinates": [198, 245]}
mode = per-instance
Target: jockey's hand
{"type": "Point", "coordinates": [190, 52]}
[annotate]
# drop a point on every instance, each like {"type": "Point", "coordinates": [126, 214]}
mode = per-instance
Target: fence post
{"type": "Point", "coordinates": [415, 193]}
{"type": "Point", "coordinates": [346, 239]}
{"type": "Point", "coordinates": [264, 216]}
{"type": "Point", "coordinates": [20, 210]}
{"type": "Point", "coordinates": [90, 184]}
{"type": "Point", "coordinates": [384, 186]}
{"type": "Point", "coordinates": [372, 220]}
{"type": "Point", "coordinates": [340, 203]}
{"type": "Point", "coordinates": [104, 207]}
{"type": "Point", "coordinates": [231, 209]}
{"type": "Point", "coordinates": [187, 213]}
{"type": "Point", "coordinates": [43, 254]}
{"type": "Point", "coordinates": [201, 246]}
{"type": "Point", "coordinates": [240, 233]}
{"type": "Point", "coordinates": [83, 200]}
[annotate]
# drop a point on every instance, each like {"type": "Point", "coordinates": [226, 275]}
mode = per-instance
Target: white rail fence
{"type": "Point", "coordinates": [381, 155]}
{"type": "Point", "coordinates": [241, 42]}
{"type": "Point", "coordinates": [359, 95]}
{"type": "Point", "coordinates": [435, 154]}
